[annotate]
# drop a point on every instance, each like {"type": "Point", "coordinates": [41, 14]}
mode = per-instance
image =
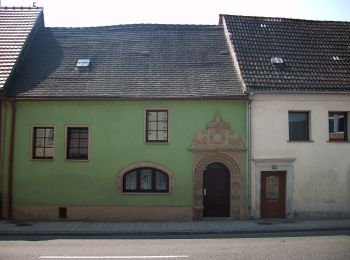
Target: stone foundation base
{"type": "Point", "coordinates": [314, 215]}
{"type": "Point", "coordinates": [100, 213]}
{"type": "Point", "coordinates": [321, 214]}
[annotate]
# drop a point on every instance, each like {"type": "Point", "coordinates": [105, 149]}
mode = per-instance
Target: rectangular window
{"type": "Point", "coordinates": [298, 126]}
{"type": "Point", "coordinates": [157, 126]}
{"type": "Point", "coordinates": [77, 143]}
{"type": "Point", "coordinates": [82, 63]}
{"type": "Point", "coordinates": [43, 142]}
{"type": "Point", "coordinates": [337, 126]}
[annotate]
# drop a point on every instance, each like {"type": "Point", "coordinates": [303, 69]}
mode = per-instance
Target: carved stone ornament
{"type": "Point", "coordinates": [217, 143]}
{"type": "Point", "coordinates": [217, 135]}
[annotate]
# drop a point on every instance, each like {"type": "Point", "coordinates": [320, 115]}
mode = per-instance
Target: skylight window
{"type": "Point", "coordinates": [276, 60]}
{"type": "Point", "coordinates": [82, 63]}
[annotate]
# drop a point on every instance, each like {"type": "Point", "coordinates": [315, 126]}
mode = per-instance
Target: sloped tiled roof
{"type": "Point", "coordinates": [129, 61]}
{"type": "Point", "coordinates": [15, 26]}
{"type": "Point", "coordinates": [316, 54]}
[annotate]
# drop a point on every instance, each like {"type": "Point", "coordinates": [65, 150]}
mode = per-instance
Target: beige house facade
{"type": "Point", "coordinates": [317, 170]}
{"type": "Point", "coordinates": [297, 75]}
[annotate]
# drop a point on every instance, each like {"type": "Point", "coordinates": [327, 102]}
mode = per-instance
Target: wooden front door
{"type": "Point", "coordinates": [273, 198]}
{"type": "Point", "coordinates": [216, 191]}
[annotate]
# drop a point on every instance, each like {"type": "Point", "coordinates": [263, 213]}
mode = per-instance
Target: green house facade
{"type": "Point", "coordinates": [17, 25]}
{"type": "Point", "coordinates": [140, 122]}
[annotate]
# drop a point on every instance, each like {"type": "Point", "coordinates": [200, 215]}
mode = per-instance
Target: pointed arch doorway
{"type": "Point", "coordinates": [216, 191]}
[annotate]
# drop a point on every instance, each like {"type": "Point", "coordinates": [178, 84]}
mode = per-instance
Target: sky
{"type": "Point", "coordinates": [81, 13]}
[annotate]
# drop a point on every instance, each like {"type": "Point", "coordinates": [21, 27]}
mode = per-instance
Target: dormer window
{"type": "Point", "coordinates": [82, 63]}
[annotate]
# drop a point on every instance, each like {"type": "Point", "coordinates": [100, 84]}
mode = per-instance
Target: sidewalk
{"type": "Point", "coordinates": [200, 227]}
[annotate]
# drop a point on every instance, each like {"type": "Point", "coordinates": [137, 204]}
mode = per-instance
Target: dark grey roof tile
{"type": "Point", "coordinates": [310, 51]}
{"type": "Point", "coordinates": [129, 61]}
{"type": "Point", "coordinates": [15, 26]}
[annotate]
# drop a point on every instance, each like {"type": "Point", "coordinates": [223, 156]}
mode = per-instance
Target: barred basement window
{"type": "Point", "coordinates": [157, 126]}
{"type": "Point", "coordinates": [43, 142]}
{"type": "Point", "coordinates": [77, 147]}
{"type": "Point", "coordinates": [146, 180]}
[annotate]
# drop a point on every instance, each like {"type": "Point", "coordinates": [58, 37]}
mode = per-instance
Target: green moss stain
{"type": "Point", "coordinates": [116, 140]}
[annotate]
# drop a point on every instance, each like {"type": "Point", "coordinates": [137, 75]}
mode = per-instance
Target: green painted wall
{"type": "Point", "coordinates": [116, 140]}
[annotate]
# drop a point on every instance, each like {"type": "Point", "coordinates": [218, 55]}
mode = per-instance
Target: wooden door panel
{"type": "Point", "coordinates": [216, 193]}
{"type": "Point", "coordinates": [273, 194]}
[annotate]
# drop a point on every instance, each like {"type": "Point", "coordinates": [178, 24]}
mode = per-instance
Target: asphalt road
{"type": "Point", "coordinates": [276, 246]}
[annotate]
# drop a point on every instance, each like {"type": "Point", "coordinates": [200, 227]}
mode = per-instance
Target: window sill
{"type": "Point", "coordinates": [157, 143]}
{"type": "Point", "coordinates": [145, 193]}
{"type": "Point", "coordinates": [77, 160]}
{"type": "Point", "coordinates": [43, 159]}
{"type": "Point", "coordinates": [300, 141]}
{"type": "Point", "coordinates": [342, 141]}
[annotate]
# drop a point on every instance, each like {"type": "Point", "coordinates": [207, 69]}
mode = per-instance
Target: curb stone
{"type": "Point", "coordinates": [173, 233]}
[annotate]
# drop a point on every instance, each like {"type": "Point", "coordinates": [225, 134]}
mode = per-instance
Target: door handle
{"type": "Point", "coordinates": [205, 192]}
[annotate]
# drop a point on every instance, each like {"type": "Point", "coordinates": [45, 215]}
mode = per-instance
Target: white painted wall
{"type": "Point", "coordinates": [320, 173]}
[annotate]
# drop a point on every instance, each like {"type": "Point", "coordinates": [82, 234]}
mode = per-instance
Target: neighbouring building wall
{"type": "Point", "coordinates": [318, 171]}
{"type": "Point", "coordinates": [91, 189]}
{"type": "Point", "coordinates": [1, 149]}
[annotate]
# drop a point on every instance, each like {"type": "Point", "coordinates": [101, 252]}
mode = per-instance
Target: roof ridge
{"type": "Point", "coordinates": [144, 26]}
{"type": "Point", "coordinates": [283, 18]}
{"type": "Point", "coordinates": [21, 8]}
{"type": "Point", "coordinates": [141, 25]}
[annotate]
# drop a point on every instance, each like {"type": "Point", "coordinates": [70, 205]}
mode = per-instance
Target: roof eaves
{"type": "Point", "coordinates": [62, 98]}
{"type": "Point", "coordinates": [299, 90]}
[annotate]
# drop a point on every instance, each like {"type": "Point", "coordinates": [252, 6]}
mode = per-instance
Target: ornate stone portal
{"type": "Point", "coordinates": [218, 143]}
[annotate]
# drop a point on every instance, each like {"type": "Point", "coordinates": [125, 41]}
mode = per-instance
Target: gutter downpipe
{"type": "Point", "coordinates": [249, 127]}
{"type": "Point", "coordinates": [2, 138]}
{"type": "Point", "coordinates": [11, 155]}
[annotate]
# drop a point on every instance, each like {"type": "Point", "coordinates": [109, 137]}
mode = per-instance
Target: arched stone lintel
{"type": "Point", "coordinates": [220, 158]}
